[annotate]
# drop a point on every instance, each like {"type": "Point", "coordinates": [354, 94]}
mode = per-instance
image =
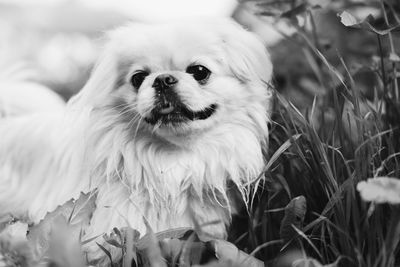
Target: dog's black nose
{"type": "Point", "coordinates": [164, 81]}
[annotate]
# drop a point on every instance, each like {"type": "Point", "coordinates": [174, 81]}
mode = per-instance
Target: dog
{"type": "Point", "coordinates": [26, 97]}
{"type": "Point", "coordinates": [171, 116]}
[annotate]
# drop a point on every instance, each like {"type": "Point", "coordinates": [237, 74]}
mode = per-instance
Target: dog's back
{"type": "Point", "coordinates": [27, 110]}
{"type": "Point", "coordinates": [23, 97]}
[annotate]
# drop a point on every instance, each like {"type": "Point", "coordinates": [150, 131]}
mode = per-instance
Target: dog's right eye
{"type": "Point", "coordinates": [138, 78]}
{"type": "Point", "coordinates": [199, 72]}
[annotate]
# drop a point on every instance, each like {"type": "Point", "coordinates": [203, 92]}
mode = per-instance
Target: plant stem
{"type": "Point", "coordinates": [385, 89]}
{"type": "Point", "coordinates": [392, 235]}
{"type": "Point", "coordinates": [392, 51]}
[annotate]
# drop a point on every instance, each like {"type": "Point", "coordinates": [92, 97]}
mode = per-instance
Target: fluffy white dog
{"type": "Point", "coordinates": [22, 97]}
{"type": "Point", "coordinates": [171, 115]}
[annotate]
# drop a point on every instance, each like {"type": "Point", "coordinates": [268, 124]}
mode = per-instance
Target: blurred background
{"type": "Point", "coordinates": [56, 42]}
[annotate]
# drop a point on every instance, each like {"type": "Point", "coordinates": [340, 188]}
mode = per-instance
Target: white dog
{"type": "Point", "coordinates": [171, 114]}
{"type": "Point", "coordinates": [23, 97]}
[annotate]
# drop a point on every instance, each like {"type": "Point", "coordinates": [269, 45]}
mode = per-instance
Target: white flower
{"type": "Point", "coordinates": [380, 190]}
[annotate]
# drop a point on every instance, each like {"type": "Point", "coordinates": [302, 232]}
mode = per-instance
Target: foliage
{"type": "Point", "coordinates": [343, 101]}
{"type": "Point", "coordinates": [57, 240]}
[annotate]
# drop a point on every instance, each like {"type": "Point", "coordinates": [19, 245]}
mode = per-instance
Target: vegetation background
{"type": "Point", "coordinates": [335, 123]}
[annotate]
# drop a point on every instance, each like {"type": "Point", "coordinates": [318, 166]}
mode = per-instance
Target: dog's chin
{"type": "Point", "coordinates": [179, 119]}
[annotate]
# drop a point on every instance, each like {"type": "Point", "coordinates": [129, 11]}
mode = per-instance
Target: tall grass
{"type": "Point", "coordinates": [342, 139]}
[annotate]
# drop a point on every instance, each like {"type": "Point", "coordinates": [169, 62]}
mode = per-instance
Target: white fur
{"type": "Point", "coordinates": [18, 98]}
{"type": "Point", "coordinates": [168, 175]}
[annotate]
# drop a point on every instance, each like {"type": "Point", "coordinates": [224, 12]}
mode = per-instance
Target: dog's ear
{"type": "Point", "coordinates": [248, 56]}
{"type": "Point", "coordinates": [102, 80]}
{"type": "Point", "coordinates": [249, 61]}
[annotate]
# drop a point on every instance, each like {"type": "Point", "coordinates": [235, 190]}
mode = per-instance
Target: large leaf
{"type": "Point", "coordinates": [6, 220]}
{"type": "Point", "coordinates": [314, 263]}
{"type": "Point", "coordinates": [295, 212]}
{"type": "Point", "coordinates": [14, 248]}
{"type": "Point", "coordinates": [176, 233]}
{"type": "Point", "coordinates": [64, 245]}
{"type": "Point", "coordinates": [349, 20]}
{"type": "Point", "coordinates": [77, 213]}
{"type": "Point", "coordinates": [230, 256]}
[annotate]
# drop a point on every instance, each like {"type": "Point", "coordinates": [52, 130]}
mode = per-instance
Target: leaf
{"type": "Point", "coordinates": [112, 241]}
{"type": "Point", "coordinates": [76, 213]}
{"type": "Point", "coordinates": [288, 143]}
{"type": "Point", "coordinates": [187, 250]}
{"type": "Point", "coordinates": [173, 233]}
{"type": "Point", "coordinates": [292, 13]}
{"type": "Point", "coordinates": [84, 242]}
{"type": "Point", "coordinates": [106, 252]}
{"type": "Point", "coordinates": [380, 190]}
{"type": "Point", "coordinates": [306, 238]}
{"type": "Point", "coordinates": [153, 251]}
{"type": "Point", "coordinates": [130, 255]}
{"type": "Point", "coordinates": [83, 209]}
{"type": "Point", "coordinates": [6, 220]}
{"type": "Point", "coordinates": [118, 233]}
{"type": "Point", "coordinates": [319, 3]}
{"type": "Point", "coordinates": [295, 212]}
{"type": "Point", "coordinates": [184, 247]}
{"type": "Point", "coordinates": [14, 248]}
{"type": "Point", "coordinates": [187, 257]}
{"type": "Point", "coordinates": [227, 252]}
{"type": "Point", "coordinates": [64, 247]}
{"type": "Point", "coordinates": [314, 263]}
{"type": "Point", "coordinates": [181, 245]}
{"type": "Point", "coordinates": [268, 13]}
{"type": "Point", "coordinates": [394, 57]}
{"type": "Point", "coordinates": [349, 20]}
{"type": "Point", "coordinates": [168, 234]}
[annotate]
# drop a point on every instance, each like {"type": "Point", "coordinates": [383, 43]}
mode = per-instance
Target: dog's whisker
{"type": "Point", "coordinates": [122, 179]}
{"type": "Point", "coordinates": [122, 108]}
{"type": "Point", "coordinates": [127, 111]}
{"type": "Point", "coordinates": [133, 120]}
{"type": "Point", "coordinates": [156, 126]}
{"type": "Point", "coordinates": [137, 128]}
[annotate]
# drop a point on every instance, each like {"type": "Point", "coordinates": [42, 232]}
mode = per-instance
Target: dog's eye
{"type": "Point", "coordinates": [199, 72]}
{"type": "Point", "coordinates": [138, 78]}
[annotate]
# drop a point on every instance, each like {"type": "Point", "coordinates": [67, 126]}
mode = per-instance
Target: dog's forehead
{"type": "Point", "coordinates": [172, 43]}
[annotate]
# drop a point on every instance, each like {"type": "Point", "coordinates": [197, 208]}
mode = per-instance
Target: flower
{"type": "Point", "coordinates": [380, 190]}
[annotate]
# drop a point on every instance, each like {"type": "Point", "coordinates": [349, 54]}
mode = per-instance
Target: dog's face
{"type": "Point", "coordinates": [182, 78]}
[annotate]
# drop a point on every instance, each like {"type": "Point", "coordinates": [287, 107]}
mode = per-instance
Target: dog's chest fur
{"type": "Point", "coordinates": [169, 186]}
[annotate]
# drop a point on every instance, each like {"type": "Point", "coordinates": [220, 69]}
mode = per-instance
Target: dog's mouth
{"type": "Point", "coordinates": [178, 113]}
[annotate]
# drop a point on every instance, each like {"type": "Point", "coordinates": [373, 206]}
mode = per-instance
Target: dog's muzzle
{"type": "Point", "coordinates": [169, 109]}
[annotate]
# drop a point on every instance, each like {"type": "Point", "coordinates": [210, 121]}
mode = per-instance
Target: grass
{"type": "Point", "coordinates": [326, 168]}
{"type": "Point", "coordinates": [342, 139]}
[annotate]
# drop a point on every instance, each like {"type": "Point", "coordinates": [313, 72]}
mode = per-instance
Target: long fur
{"type": "Point", "coordinates": [19, 97]}
{"type": "Point", "coordinates": [101, 142]}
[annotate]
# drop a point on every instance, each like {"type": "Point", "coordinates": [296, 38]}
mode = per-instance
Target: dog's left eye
{"type": "Point", "coordinates": [138, 78]}
{"type": "Point", "coordinates": [199, 72]}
